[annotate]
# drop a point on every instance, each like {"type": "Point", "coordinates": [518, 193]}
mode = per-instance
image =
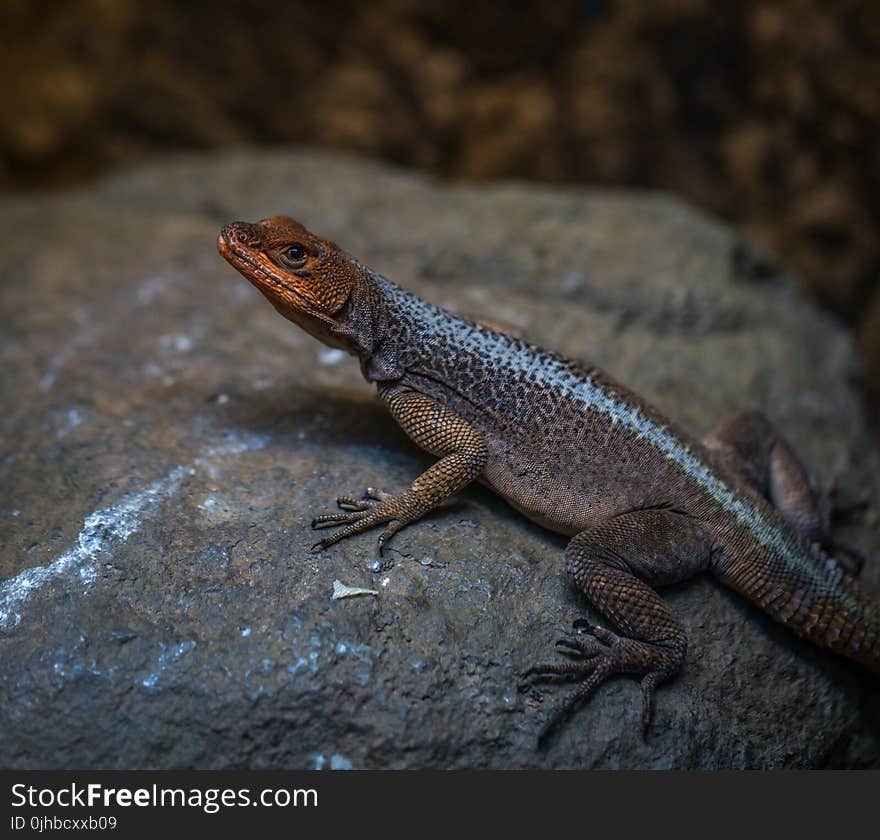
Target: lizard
{"type": "Point", "coordinates": [644, 503]}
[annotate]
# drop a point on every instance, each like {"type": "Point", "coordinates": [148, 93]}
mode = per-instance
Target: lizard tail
{"type": "Point", "coordinates": [816, 599]}
{"type": "Point", "coordinates": [846, 621]}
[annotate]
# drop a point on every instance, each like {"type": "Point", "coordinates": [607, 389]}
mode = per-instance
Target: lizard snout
{"type": "Point", "coordinates": [239, 232]}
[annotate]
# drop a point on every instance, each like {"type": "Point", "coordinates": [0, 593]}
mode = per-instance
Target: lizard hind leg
{"type": "Point", "coordinates": [754, 450]}
{"type": "Point", "coordinates": [616, 564]}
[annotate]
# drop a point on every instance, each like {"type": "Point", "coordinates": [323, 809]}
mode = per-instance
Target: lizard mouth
{"type": "Point", "coordinates": [240, 256]}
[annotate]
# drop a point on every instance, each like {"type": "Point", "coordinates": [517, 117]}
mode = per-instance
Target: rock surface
{"type": "Point", "coordinates": [166, 438]}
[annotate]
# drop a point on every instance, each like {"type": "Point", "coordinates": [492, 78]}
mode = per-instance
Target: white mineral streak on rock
{"type": "Point", "coordinates": [105, 528]}
{"type": "Point", "coordinates": [101, 529]}
{"type": "Point", "coordinates": [168, 655]}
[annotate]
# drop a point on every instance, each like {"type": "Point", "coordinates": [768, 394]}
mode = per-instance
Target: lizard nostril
{"type": "Point", "coordinates": [237, 232]}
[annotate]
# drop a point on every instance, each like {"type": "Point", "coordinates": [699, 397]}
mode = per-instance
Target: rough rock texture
{"type": "Point", "coordinates": [166, 438]}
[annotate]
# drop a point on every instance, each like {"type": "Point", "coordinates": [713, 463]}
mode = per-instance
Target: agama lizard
{"type": "Point", "coordinates": [645, 504]}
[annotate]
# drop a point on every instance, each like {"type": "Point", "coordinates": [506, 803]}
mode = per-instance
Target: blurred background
{"type": "Point", "coordinates": [765, 113]}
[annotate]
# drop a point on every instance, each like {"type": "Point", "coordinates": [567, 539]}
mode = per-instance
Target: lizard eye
{"type": "Point", "coordinates": [294, 256]}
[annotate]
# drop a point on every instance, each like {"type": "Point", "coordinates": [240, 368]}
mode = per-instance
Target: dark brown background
{"type": "Point", "coordinates": [765, 113]}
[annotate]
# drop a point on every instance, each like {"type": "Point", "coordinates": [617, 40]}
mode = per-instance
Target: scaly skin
{"type": "Point", "coordinates": [646, 505]}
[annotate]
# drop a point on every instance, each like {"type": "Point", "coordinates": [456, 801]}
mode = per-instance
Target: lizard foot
{"type": "Point", "coordinates": [594, 661]}
{"type": "Point", "coordinates": [375, 507]}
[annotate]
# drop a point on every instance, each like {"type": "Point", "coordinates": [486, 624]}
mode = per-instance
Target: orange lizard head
{"type": "Point", "coordinates": [306, 278]}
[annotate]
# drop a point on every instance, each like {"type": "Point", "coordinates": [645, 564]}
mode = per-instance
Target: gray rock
{"type": "Point", "coordinates": [167, 437]}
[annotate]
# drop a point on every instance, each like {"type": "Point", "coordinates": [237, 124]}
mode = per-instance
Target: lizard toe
{"type": "Point", "coordinates": [388, 533]}
{"type": "Point", "coordinates": [579, 648]}
{"type": "Point", "coordinates": [349, 503]}
{"type": "Point", "coordinates": [554, 672]}
{"type": "Point", "coordinates": [331, 520]}
{"type": "Point", "coordinates": [600, 669]}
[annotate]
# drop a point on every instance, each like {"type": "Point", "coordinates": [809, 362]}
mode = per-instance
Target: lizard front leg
{"type": "Point", "coordinates": [436, 429]}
